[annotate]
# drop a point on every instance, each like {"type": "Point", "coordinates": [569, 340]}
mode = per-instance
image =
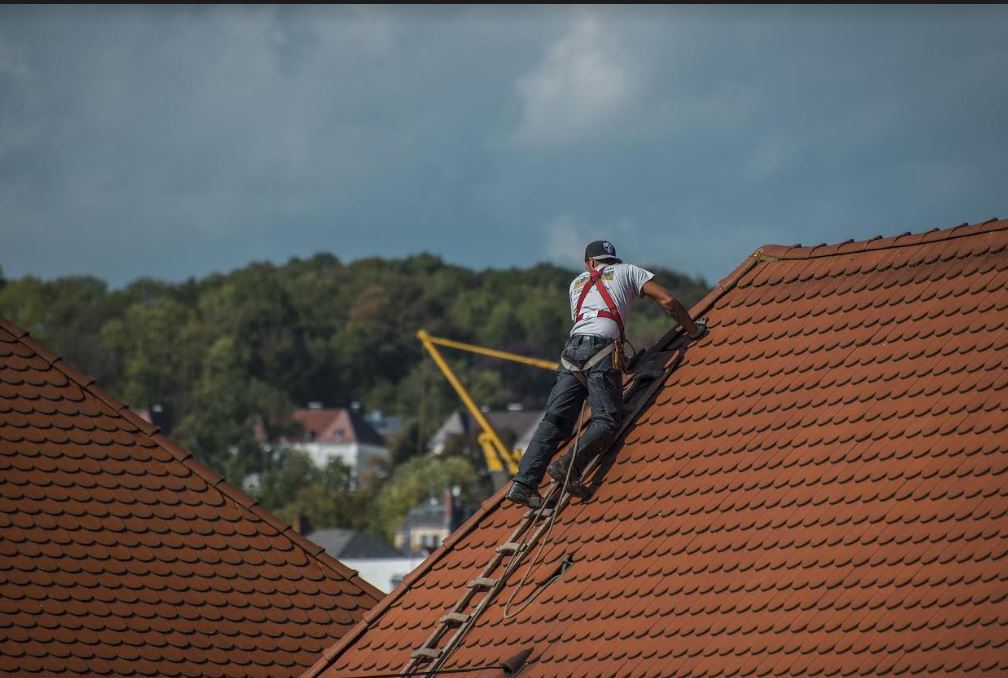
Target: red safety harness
{"type": "Point", "coordinates": [595, 280]}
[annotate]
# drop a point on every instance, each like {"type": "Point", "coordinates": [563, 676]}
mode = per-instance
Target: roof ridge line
{"type": "Point", "coordinates": [909, 239]}
{"type": "Point", "coordinates": [88, 384]}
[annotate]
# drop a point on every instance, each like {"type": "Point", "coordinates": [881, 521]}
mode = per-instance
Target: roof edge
{"type": "Point", "coordinates": [906, 239]}
{"type": "Point", "coordinates": [209, 476]}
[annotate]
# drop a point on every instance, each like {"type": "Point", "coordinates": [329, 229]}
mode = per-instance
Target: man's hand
{"type": "Point", "coordinates": [666, 300]}
{"type": "Point", "coordinates": [701, 325]}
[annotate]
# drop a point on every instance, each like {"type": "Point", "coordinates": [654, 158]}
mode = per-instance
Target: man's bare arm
{"type": "Point", "coordinates": [672, 306]}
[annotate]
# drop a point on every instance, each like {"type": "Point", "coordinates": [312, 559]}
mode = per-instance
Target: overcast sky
{"type": "Point", "coordinates": [177, 141]}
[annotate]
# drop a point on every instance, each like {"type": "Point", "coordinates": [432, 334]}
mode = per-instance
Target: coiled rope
{"type": "Point", "coordinates": [516, 562]}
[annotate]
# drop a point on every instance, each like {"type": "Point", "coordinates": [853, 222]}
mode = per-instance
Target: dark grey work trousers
{"type": "Point", "coordinates": [605, 395]}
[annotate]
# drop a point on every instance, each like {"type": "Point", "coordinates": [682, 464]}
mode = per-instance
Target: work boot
{"type": "Point", "coordinates": [520, 493]}
{"type": "Point", "coordinates": [558, 472]}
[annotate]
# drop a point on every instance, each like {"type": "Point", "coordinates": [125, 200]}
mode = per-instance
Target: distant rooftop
{"type": "Point", "coordinates": [342, 544]}
{"type": "Point", "coordinates": [520, 423]}
{"type": "Point", "coordinates": [337, 425]}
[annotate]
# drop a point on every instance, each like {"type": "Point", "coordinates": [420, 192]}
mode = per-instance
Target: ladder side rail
{"type": "Point", "coordinates": [491, 595]}
{"type": "Point", "coordinates": [470, 593]}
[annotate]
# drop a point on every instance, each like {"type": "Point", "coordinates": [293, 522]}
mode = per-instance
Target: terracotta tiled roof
{"type": "Point", "coordinates": [817, 487]}
{"type": "Point", "coordinates": [122, 555]}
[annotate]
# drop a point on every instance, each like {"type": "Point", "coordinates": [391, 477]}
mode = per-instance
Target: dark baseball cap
{"type": "Point", "coordinates": [602, 250]}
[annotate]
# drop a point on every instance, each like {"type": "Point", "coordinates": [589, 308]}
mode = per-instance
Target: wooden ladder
{"type": "Point", "coordinates": [462, 616]}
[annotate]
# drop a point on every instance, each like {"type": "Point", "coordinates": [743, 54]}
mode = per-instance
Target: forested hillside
{"type": "Point", "coordinates": [225, 351]}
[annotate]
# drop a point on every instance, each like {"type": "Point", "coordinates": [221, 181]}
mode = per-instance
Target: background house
{"type": "Point", "coordinates": [376, 562]}
{"type": "Point", "coordinates": [386, 425]}
{"type": "Point", "coordinates": [342, 543]}
{"type": "Point", "coordinates": [430, 523]}
{"type": "Point", "coordinates": [515, 426]}
{"type": "Point", "coordinates": [341, 433]}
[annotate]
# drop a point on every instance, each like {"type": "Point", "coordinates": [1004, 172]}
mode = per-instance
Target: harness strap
{"type": "Point", "coordinates": [580, 372]}
{"type": "Point", "coordinates": [595, 280]}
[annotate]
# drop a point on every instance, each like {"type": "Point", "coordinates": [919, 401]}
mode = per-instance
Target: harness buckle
{"type": "Point", "coordinates": [617, 357]}
{"type": "Point", "coordinates": [581, 371]}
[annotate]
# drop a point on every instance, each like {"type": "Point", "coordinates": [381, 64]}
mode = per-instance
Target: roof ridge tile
{"type": "Point", "coordinates": [141, 424]}
{"type": "Point", "coordinates": [905, 239]}
{"type": "Point", "coordinates": [80, 378]}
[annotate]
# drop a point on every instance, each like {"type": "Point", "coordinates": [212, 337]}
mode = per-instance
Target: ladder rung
{"type": "Point", "coordinates": [426, 653]}
{"type": "Point", "coordinates": [510, 547]}
{"type": "Point", "coordinates": [482, 583]}
{"type": "Point", "coordinates": [454, 619]}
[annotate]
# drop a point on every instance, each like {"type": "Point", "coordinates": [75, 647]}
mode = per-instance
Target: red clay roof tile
{"type": "Point", "coordinates": [817, 488]}
{"type": "Point", "coordinates": [122, 555]}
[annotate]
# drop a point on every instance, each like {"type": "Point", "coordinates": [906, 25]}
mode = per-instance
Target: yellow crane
{"type": "Point", "coordinates": [499, 459]}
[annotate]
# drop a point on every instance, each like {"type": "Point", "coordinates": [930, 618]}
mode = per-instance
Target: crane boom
{"type": "Point", "coordinates": [492, 352]}
{"type": "Point", "coordinates": [499, 458]}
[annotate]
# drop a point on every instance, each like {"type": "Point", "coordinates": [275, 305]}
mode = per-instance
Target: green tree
{"type": "Point", "coordinates": [256, 313]}
{"type": "Point", "coordinates": [231, 354]}
{"type": "Point", "coordinates": [328, 499]}
{"type": "Point", "coordinates": [406, 444]}
{"type": "Point", "coordinates": [158, 347]}
{"type": "Point", "coordinates": [66, 314]}
{"type": "Point", "coordinates": [416, 480]}
{"type": "Point", "coordinates": [293, 471]}
{"type": "Point", "coordinates": [227, 408]}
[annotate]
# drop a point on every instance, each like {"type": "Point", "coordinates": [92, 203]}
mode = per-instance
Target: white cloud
{"type": "Point", "coordinates": [582, 83]}
{"type": "Point", "coordinates": [176, 141]}
{"type": "Point", "coordinates": [12, 60]}
{"type": "Point", "coordinates": [771, 157]}
{"type": "Point", "coordinates": [563, 240]}
{"type": "Point", "coordinates": [566, 238]}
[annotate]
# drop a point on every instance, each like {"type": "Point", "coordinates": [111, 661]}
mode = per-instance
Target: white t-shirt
{"type": "Point", "coordinates": [623, 282]}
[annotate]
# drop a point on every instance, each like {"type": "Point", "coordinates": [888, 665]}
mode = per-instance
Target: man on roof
{"type": "Point", "coordinates": [590, 366]}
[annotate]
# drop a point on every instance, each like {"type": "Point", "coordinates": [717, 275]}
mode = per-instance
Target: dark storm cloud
{"type": "Point", "coordinates": [175, 141]}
